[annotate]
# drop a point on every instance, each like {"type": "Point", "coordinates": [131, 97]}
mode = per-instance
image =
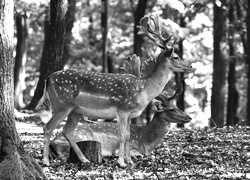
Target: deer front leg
{"type": "Point", "coordinates": [122, 127]}
{"type": "Point", "coordinates": [68, 131]}
{"type": "Point", "coordinates": [127, 144]}
{"type": "Point", "coordinates": [55, 120]}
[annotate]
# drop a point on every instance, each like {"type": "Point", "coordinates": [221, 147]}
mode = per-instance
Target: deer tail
{"type": "Point", "coordinates": [43, 100]}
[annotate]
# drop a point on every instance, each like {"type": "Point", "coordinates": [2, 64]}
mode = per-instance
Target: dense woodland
{"type": "Point", "coordinates": [47, 36]}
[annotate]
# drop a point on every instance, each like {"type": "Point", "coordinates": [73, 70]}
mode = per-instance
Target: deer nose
{"type": "Point", "coordinates": [188, 118]}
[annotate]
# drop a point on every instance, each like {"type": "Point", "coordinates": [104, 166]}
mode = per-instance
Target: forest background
{"type": "Point", "coordinates": [100, 35]}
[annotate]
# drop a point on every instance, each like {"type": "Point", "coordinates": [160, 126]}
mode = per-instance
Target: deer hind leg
{"type": "Point", "coordinates": [123, 136]}
{"type": "Point", "coordinates": [68, 132]}
{"type": "Point", "coordinates": [56, 119]}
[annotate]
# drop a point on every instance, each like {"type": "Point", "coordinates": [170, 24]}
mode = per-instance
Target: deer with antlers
{"type": "Point", "coordinates": [143, 138]}
{"type": "Point", "coordinates": [109, 96]}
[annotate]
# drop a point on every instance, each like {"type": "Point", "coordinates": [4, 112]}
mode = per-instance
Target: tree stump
{"type": "Point", "coordinates": [90, 149]}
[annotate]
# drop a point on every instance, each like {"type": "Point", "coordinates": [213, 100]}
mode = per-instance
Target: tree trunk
{"type": "Point", "coordinates": [90, 149]}
{"type": "Point", "coordinates": [248, 63]}
{"type": "Point", "coordinates": [51, 60]}
{"type": "Point", "coordinates": [180, 76]}
{"type": "Point", "coordinates": [91, 35]}
{"type": "Point", "coordinates": [110, 64]}
{"type": "Point", "coordinates": [15, 163]}
{"type": "Point", "coordinates": [232, 102]}
{"type": "Point", "coordinates": [138, 14]}
{"type": "Point", "coordinates": [240, 12]}
{"type": "Point", "coordinates": [20, 60]}
{"type": "Point", "coordinates": [180, 101]}
{"type": "Point", "coordinates": [69, 23]}
{"type": "Point", "coordinates": [219, 69]}
{"type": "Point", "coordinates": [138, 41]}
{"type": "Point", "coordinates": [104, 23]}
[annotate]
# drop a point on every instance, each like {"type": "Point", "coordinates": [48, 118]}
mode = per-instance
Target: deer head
{"type": "Point", "coordinates": [151, 27]}
{"type": "Point", "coordinates": [163, 103]}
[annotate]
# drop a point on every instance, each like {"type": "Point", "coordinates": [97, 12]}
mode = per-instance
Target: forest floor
{"type": "Point", "coordinates": [184, 154]}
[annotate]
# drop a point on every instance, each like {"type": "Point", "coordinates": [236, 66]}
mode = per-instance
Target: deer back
{"type": "Point", "coordinates": [116, 89]}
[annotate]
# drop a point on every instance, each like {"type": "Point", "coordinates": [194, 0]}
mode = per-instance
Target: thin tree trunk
{"type": "Point", "coordinates": [110, 64]}
{"type": "Point", "coordinates": [15, 163]}
{"type": "Point", "coordinates": [240, 18]}
{"type": "Point", "coordinates": [69, 23]}
{"type": "Point", "coordinates": [104, 23]}
{"type": "Point", "coordinates": [138, 14]}
{"type": "Point", "coordinates": [51, 60]}
{"type": "Point", "coordinates": [91, 36]}
{"type": "Point", "coordinates": [20, 60]}
{"type": "Point", "coordinates": [180, 76]}
{"type": "Point", "coordinates": [248, 63]}
{"type": "Point", "coordinates": [219, 69]}
{"type": "Point", "coordinates": [138, 41]}
{"type": "Point", "coordinates": [232, 102]}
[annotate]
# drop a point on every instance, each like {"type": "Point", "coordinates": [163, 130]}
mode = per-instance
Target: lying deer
{"type": "Point", "coordinates": [143, 139]}
{"type": "Point", "coordinates": [109, 96]}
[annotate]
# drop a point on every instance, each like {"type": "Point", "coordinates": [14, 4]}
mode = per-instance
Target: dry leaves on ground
{"type": "Point", "coordinates": [184, 154]}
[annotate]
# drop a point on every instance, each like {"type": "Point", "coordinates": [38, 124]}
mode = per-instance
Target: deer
{"type": "Point", "coordinates": [143, 139]}
{"type": "Point", "coordinates": [109, 95]}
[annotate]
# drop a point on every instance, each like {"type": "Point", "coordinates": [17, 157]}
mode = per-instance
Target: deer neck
{"type": "Point", "coordinates": [157, 80]}
{"type": "Point", "coordinates": [153, 134]}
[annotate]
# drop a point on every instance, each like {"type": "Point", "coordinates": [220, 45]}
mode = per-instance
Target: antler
{"type": "Point", "coordinates": [132, 66]}
{"type": "Point", "coordinates": [150, 26]}
{"type": "Point", "coordinates": [163, 96]}
{"type": "Point", "coordinates": [148, 66]}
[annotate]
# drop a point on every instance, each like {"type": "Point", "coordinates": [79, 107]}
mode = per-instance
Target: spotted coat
{"type": "Point", "coordinates": [122, 89]}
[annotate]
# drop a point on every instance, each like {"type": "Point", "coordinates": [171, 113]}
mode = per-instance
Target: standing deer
{"type": "Point", "coordinates": [143, 138]}
{"type": "Point", "coordinates": [109, 96]}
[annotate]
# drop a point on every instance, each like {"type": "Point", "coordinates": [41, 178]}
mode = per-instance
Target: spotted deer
{"type": "Point", "coordinates": [109, 96]}
{"type": "Point", "coordinates": [143, 139]}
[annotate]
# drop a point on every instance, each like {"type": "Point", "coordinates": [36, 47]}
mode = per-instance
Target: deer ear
{"type": "Point", "coordinates": [157, 105]}
{"type": "Point", "coordinates": [169, 53]}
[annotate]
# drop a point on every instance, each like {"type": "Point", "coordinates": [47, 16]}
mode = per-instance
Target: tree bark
{"type": "Point", "coordinates": [90, 149]}
{"type": "Point", "coordinates": [219, 69]}
{"type": "Point", "coordinates": [180, 76]}
{"type": "Point", "coordinates": [110, 64]}
{"type": "Point", "coordinates": [232, 102]}
{"type": "Point", "coordinates": [20, 60]}
{"type": "Point", "coordinates": [51, 60]}
{"type": "Point", "coordinates": [69, 23]}
{"type": "Point", "coordinates": [138, 14]}
{"type": "Point", "coordinates": [138, 41]}
{"type": "Point", "coordinates": [240, 12]}
{"type": "Point", "coordinates": [248, 63]}
{"type": "Point", "coordinates": [15, 163]}
{"type": "Point", "coordinates": [104, 23]}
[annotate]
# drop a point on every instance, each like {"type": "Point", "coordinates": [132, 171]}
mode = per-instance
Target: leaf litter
{"type": "Point", "coordinates": [185, 154]}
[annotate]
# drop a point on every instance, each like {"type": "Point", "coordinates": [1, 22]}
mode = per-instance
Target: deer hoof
{"type": "Point", "coordinates": [122, 164]}
{"type": "Point", "coordinates": [84, 160]}
{"type": "Point", "coordinates": [46, 162]}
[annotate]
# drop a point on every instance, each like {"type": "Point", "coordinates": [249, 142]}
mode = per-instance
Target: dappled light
{"type": "Point", "coordinates": [116, 89]}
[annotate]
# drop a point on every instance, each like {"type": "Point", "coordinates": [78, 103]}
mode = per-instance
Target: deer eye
{"type": "Point", "coordinates": [171, 110]}
{"type": "Point", "coordinates": [176, 58]}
